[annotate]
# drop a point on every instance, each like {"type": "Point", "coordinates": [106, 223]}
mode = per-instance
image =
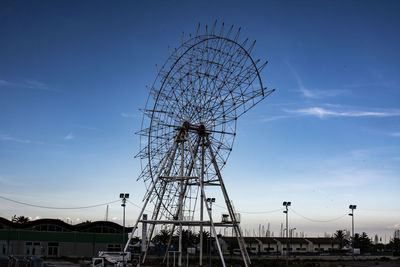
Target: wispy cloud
{"type": "Point", "coordinates": [9, 138]}
{"type": "Point", "coordinates": [69, 136]}
{"type": "Point", "coordinates": [395, 134]}
{"type": "Point", "coordinates": [274, 118]}
{"type": "Point", "coordinates": [374, 79]}
{"type": "Point", "coordinates": [9, 182]}
{"type": "Point", "coordinates": [323, 113]}
{"type": "Point", "coordinates": [30, 84]}
{"type": "Point", "coordinates": [313, 93]}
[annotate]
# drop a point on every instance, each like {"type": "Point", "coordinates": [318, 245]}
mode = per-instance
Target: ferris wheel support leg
{"type": "Point", "coordinates": [205, 202]}
{"type": "Point", "coordinates": [201, 202]}
{"type": "Point", "coordinates": [158, 205]}
{"type": "Point", "coordinates": [137, 221]}
{"type": "Point", "coordinates": [238, 233]}
{"type": "Point", "coordinates": [149, 194]}
{"type": "Point", "coordinates": [169, 243]}
{"type": "Point", "coordinates": [180, 207]}
{"type": "Point", "coordinates": [188, 174]}
{"type": "Point", "coordinates": [154, 217]}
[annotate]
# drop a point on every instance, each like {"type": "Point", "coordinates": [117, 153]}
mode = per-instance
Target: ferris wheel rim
{"type": "Point", "coordinates": [198, 40]}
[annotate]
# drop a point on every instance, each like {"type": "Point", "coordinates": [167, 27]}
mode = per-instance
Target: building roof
{"type": "Point", "coordinates": [59, 225]}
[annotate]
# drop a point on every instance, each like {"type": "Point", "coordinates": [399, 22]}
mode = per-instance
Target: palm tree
{"type": "Point", "coordinates": [341, 237]}
{"type": "Point", "coordinates": [162, 238]}
{"type": "Point", "coordinates": [188, 238]}
{"type": "Point", "coordinates": [20, 219]}
{"type": "Point", "coordinates": [206, 236]}
{"type": "Point", "coordinates": [363, 242]}
{"type": "Point", "coordinates": [395, 246]}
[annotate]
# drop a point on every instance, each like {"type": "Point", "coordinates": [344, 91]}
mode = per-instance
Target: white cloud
{"type": "Point", "coordinates": [322, 113]}
{"type": "Point", "coordinates": [6, 83]}
{"type": "Point", "coordinates": [4, 137]}
{"type": "Point", "coordinates": [274, 118]}
{"type": "Point", "coordinates": [36, 85]}
{"type": "Point", "coordinates": [31, 84]}
{"type": "Point", "coordinates": [314, 93]}
{"type": "Point", "coordinates": [395, 134]}
{"type": "Point", "coordinates": [69, 136]}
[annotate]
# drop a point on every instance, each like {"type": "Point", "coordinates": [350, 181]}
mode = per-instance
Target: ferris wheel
{"type": "Point", "coordinates": [189, 127]}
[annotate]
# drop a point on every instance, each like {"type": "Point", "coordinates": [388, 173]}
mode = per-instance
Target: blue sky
{"type": "Point", "coordinates": [73, 77]}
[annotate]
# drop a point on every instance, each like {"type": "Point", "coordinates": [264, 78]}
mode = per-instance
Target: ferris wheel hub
{"type": "Point", "coordinates": [186, 125]}
{"type": "Point", "coordinates": [202, 130]}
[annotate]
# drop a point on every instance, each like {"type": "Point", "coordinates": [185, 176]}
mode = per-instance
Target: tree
{"type": "Point", "coordinates": [363, 242]}
{"type": "Point", "coordinates": [206, 238]}
{"type": "Point", "coordinates": [20, 219]}
{"type": "Point", "coordinates": [188, 238]}
{"type": "Point", "coordinates": [394, 244]}
{"type": "Point", "coordinates": [341, 237]}
{"type": "Point", "coordinates": [161, 239]}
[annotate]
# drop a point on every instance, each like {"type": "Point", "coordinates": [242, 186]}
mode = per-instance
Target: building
{"type": "Point", "coordinates": [277, 245]}
{"type": "Point", "coordinates": [55, 238]}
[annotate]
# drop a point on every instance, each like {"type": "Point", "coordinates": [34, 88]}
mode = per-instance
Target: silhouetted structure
{"type": "Point", "coordinates": [55, 238]}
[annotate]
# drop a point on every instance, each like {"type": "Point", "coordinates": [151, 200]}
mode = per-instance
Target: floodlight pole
{"type": "Point", "coordinates": [123, 197]}
{"type": "Point", "coordinates": [210, 200]}
{"type": "Point", "coordinates": [286, 204]}
{"type": "Point", "coordinates": [352, 207]}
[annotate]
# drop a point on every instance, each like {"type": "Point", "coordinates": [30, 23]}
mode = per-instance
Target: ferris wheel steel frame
{"type": "Point", "coordinates": [188, 130]}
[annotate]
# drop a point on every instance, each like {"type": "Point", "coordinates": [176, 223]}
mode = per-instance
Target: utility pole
{"type": "Point", "coordinates": [286, 204]}
{"type": "Point", "coordinates": [123, 197]}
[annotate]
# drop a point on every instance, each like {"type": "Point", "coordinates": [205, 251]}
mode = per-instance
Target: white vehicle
{"type": "Point", "coordinates": [111, 258]}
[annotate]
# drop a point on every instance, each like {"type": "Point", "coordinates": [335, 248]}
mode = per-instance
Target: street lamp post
{"type": "Point", "coordinates": [123, 197]}
{"type": "Point", "coordinates": [286, 204]}
{"type": "Point", "coordinates": [352, 207]}
{"type": "Point", "coordinates": [210, 201]}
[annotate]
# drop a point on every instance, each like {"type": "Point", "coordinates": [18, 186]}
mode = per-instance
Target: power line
{"type": "Point", "coordinates": [321, 221]}
{"type": "Point", "coordinates": [260, 212]}
{"type": "Point", "coordinates": [57, 208]}
{"type": "Point", "coordinates": [136, 205]}
{"type": "Point", "coordinates": [252, 212]}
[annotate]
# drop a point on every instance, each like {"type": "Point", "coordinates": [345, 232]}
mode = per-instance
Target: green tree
{"type": "Point", "coordinates": [188, 239]}
{"type": "Point", "coordinates": [20, 219]}
{"type": "Point", "coordinates": [206, 238]}
{"type": "Point", "coordinates": [341, 237]}
{"type": "Point", "coordinates": [162, 237]}
{"type": "Point", "coordinates": [394, 245]}
{"type": "Point", "coordinates": [363, 242]}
